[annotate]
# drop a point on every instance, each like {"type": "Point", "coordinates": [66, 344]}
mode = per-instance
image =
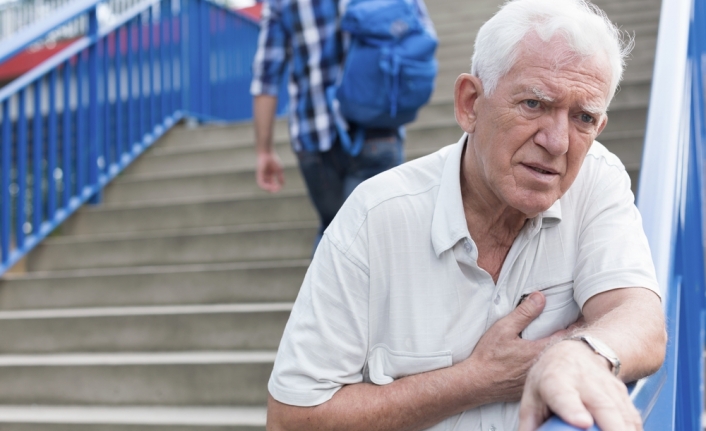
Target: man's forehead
{"type": "Point", "coordinates": [545, 65]}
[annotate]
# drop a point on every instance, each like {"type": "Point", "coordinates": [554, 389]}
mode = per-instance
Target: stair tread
{"type": "Point", "coordinates": [200, 357]}
{"type": "Point", "coordinates": [134, 415]}
{"type": "Point", "coordinates": [160, 310]}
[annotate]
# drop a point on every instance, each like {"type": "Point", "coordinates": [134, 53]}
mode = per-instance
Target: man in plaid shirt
{"type": "Point", "coordinates": [303, 37]}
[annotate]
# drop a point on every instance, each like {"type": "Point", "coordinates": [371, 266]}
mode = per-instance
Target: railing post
{"type": "Point", "coordinates": [6, 207]}
{"type": "Point", "coordinates": [690, 255]}
{"type": "Point", "coordinates": [205, 58]}
{"type": "Point", "coordinates": [93, 131]}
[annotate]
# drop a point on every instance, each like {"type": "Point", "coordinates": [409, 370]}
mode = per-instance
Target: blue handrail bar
{"type": "Point", "coordinates": [37, 31]}
{"type": "Point", "coordinates": [671, 201]}
{"type": "Point", "coordinates": [73, 123]}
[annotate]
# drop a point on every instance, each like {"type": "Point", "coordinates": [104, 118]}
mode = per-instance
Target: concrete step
{"type": "Point", "coordinates": [238, 133]}
{"type": "Point", "coordinates": [213, 283]}
{"type": "Point", "coordinates": [164, 188]}
{"type": "Point", "coordinates": [221, 153]}
{"type": "Point", "coordinates": [291, 206]}
{"type": "Point", "coordinates": [455, 19]}
{"type": "Point", "coordinates": [228, 155]}
{"type": "Point", "coordinates": [204, 245]}
{"type": "Point", "coordinates": [156, 378]}
{"type": "Point", "coordinates": [214, 327]}
{"type": "Point", "coordinates": [130, 418]}
{"type": "Point", "coordinates": [167, 187]}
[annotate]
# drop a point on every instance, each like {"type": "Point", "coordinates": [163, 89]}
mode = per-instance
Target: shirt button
{"type": "Point", "coordinates": [492, 428]}
{"type": "Point", "coordinates": [467, 246]}
{"type": "Point", "coordinates": [497, 300]}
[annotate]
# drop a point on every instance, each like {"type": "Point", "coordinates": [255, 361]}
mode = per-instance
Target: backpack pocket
{"type": "Point", "coordinates": [416, 84]}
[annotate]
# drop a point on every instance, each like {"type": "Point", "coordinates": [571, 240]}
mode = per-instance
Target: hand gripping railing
{"type": "Point", "coordinates": [671, 201]}
{"type": "Point", "coordinates": [75, 122]}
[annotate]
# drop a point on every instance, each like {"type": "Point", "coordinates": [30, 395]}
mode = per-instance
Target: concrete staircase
{"type": "Point", "coordinates": [163, 307]}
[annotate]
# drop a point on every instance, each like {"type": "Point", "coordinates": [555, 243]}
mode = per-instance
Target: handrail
{"type": "Point", "coordinates": [666, 135]}
{"type": "Point", "coordinates": [38, 30]}
{"type": "Point", "coordinates": [73, 123]}
{"type": "Point", "coordinates": [670, 199]}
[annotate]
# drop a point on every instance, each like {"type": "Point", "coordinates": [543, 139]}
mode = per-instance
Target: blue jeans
{"type": "Point", "coordinates": [331, 176]}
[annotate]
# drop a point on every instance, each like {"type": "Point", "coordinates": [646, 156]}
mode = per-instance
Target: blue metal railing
{"type": "Point", "coordinates": [72, 124]}
{"type": "Point", "coordinates": [671, 201]}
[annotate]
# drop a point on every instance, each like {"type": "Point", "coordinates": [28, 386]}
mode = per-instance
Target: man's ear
{"type": "Point", "coordinates": [466, 93]}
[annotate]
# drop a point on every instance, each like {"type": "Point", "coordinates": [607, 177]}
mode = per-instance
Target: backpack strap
{"type": "Point", "coordinates": [351, 146]}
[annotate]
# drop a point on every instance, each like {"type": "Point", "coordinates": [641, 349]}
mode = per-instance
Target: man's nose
{"type": "Point", "coordinates": [554, 134]}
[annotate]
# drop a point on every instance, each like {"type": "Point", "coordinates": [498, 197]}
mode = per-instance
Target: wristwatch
{"type": "Point", "coordinates": [602, 349]}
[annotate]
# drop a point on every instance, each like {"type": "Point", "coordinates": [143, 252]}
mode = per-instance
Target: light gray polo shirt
{"type": "Point", "coordinates": [394, 288]}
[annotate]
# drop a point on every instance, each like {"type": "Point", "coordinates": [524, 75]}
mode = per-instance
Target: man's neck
{"type": "Point", "coordinates": [493, 225]}
{"type": "Point", "coordinates": [486, 215]}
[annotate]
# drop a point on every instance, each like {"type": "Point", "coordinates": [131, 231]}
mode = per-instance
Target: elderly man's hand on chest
{"type": "Point", "coordinates": [504, 357]}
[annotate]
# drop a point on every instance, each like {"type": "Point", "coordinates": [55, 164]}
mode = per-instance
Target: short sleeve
{"type": "Point", "coordinates": [612, 250]}
{"type": "Point", "coordinates": [271, 56]}
{"type": "Point", "coordinates": [325, 342]}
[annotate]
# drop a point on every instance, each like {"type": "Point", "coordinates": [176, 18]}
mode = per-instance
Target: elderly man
{"type": "Point", "coordinates": [442, 292]}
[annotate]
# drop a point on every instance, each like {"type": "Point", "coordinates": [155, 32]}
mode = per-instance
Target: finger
{"type": "Point", "coordinates": [616, 403]}
{"type": "Point", "coordinates": [567, 404]}
{"type": "Point", "coordinates": [525, 313]}
{"type": "Point", "coordinates": [267, 184]}
{"type": "Point", "coordinates": [533, 412]}
{"type": "Point", "coordinates": [607, 412]}
{"type": "Point", "coordinates": [280, 177]}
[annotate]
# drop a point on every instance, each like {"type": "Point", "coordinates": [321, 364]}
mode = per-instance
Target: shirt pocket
{"type": "Point", "coordinates": [559, 312]}
{"type": "Point", "coordinates": [385, 365]}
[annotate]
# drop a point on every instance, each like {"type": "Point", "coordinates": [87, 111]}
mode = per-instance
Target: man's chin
{"type": "Point", "coordinates": [534, 204]}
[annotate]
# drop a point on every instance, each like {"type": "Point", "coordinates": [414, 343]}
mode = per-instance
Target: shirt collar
{"type": "Point", "coordinates": [552, 216]}
{"type": "Point", "coordinates": [448, 224]}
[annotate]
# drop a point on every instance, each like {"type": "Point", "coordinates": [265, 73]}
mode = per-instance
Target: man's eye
{"type": "Point", "coordinates": [532, 103]}
{"type": "Point", "coordinates": [587, 119]}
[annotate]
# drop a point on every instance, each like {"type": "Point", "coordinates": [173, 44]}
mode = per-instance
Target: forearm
{"type": "Point", "coordinates": [631, 322]}
{"type": "Point", "coordinates": [264, 109]}
{"type": "Point", "coordinates": [411, 403]}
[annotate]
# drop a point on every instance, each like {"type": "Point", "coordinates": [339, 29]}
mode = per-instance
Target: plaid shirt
{"type": "Point", "coordinates": [304, 35]}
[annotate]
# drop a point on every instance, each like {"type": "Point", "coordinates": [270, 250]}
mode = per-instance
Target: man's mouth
{"type": "Point", "coordinates": [541, 170]}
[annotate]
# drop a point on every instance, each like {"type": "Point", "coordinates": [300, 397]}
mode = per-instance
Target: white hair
{"type": "Point", "coordinates": [586, 29]}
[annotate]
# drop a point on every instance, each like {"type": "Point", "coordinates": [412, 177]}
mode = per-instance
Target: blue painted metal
{"type": "Point", "coordinates": [67, 166]}
{"type": "Point", "coordinates": [37, 31]}
{"type": "Point", "coordinates": [141, 76]}
{"type": "Point", "coordinates": [131, 129]}
{"type": "Point", "coordinates": [52, 147]}
{"type": "Point", "coordinates": [5, 199]}
{"type": "Point", "coordinates": [93, 125]}
{"type": "Point", "coordinates": [672, 202]}
{"type": "Point", "coordinates": [20, 202]}
{"type": "Point", "coordinates": [106, 159]}
{"type": "Point", "coordinates": [37, 159]}
{"type": "Point", "coordinates": [100, 123]}
{"type": "Point", "coordinates": [81, 139]}
{"type": "Point", "coordinates": [118, 71]}
{"type": "Point", "coordinates": [152, 117]}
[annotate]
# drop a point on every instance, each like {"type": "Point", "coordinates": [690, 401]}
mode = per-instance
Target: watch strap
{"type": "Point", "coordinates": [600, 349]}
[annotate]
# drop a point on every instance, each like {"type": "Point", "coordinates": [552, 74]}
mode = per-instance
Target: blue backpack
{"type": "Point", "coordinates": [389, 70]}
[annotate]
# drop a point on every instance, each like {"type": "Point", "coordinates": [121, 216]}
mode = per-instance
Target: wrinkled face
{"type": "Point", "coordinates": [529, 138]}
